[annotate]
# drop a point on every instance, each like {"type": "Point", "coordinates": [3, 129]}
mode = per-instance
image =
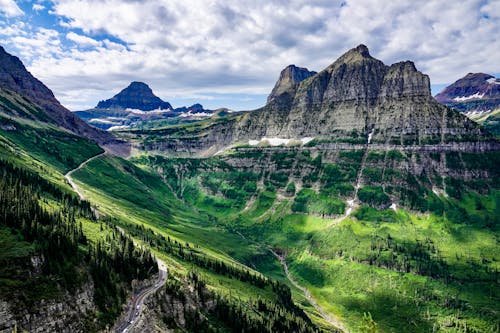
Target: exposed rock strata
{"type": "Point", "coordinates": [355, 98]}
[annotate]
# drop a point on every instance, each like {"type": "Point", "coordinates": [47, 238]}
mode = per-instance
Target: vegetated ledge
{"type": "Point", "coordinates": [458, 147]}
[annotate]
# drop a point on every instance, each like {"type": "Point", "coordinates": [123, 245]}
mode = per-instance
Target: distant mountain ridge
{"type": "Point", "coordinates": [477, 95]}
{"type": "Point", "coordinates": [472, 86]}
{"type": "Point", "coordinates": [475, 92]}
{"type": "Point", "coordinates": [357, 100]}
{"type": "Point", "coordinates": [138, 105]}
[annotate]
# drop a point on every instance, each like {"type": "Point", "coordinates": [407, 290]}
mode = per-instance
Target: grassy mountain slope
{"type": "Point", "coordinates": [431, 263]}
{"type": "Point", "coordinates": [61, 267]}
{"type": "Point", "coordinates": [148, 209]}
{"type": "Point", "coordinates": [489, 119]}
{"type": "Point", "coordinates": [137, 201]}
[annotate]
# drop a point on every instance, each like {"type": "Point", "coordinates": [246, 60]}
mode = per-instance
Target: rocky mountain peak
{"type": "Point", "coordinates": [361, 50]}
{"type": "Point", "coordinates": [355, 75]}
{"type": "Point", "coordinates": [402, 79]}
{"type": "Point", "coordinates": [15, 77]}
{"type": "Point", "coordinates": [358, 54]}
{"type": "Point", "coordinates": [471, 87]}
{"type": "Point", "coordinates": [359, 94]}
{"type": "Point", "coordinates": [289, 76]}
{"type": "Point", "coordinates": [137, 95]}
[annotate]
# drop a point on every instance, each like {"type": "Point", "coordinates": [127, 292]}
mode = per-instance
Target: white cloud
{"type": "Point", "coordinates": [10, 8]}
{"type": "Point", "coordinates": [202, 48]}
{"type": "Point", "coordinates": [37, 7]}
{"type": "Point", "coordinates": [82, 40]}
{"type": "Point", "coordinates": [13, 29]}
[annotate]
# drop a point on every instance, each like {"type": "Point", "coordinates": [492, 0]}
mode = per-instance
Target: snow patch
{"type": "Point", "coordinates": [189, 114]}
{"type": "Point", "coordinates": [116, 118]}
{"type": "Point", "coordinates": [113, 128]}
{"type": "Point", "coordinates": [279, 141]}
{"type": "Point", "coordinates": [466, 98]}
{"type": "Point", "coordinates": [102, 121]}
{"type": "Point", "coordinates": [493, 81]}
{"type": "Point", "coordinates": [350, 206]}
{"type": "Point", "coordinates": [157, 111]}
{"type": "Point", "coordinates": [438, 192]}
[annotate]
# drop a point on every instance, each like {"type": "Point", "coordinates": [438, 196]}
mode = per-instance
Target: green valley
{"type": "Point", "coordinates": [351, 202]}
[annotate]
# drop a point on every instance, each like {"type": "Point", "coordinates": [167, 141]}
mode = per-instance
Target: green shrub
{"type": "Point", "coordinates": [373, 196]}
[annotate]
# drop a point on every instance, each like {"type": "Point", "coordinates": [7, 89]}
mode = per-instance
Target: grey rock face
{"type": "Point", "coordinates": [288, 77]}
{"type": "Point", "coordinates": [66, 314]}
{"type": "Point", "coordinates": [15, 77]}
{"type": "Point", "coordinates": [137, 95]}
{"type": "Point", "coordinates": [358, 93]}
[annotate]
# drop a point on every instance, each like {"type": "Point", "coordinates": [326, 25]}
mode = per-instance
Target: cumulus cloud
{"type": "Point", "coordinates": [9, 8]}
{"type": "Point", "coordinates": [82, 40]}
{"type": "Point", "coordinates": [199, 47]}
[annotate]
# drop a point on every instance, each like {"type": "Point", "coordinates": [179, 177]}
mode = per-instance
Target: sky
{"type": "Point", "coordinates": [224, 53]}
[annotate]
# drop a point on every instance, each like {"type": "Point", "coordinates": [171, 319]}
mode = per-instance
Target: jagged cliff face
{"type": "Point", "coordinates": [357, 99]}
{"type": "Point", "coordinates": [286, 83]}
{"type": "Point", "coordinates": [137, 95]}
{"type": "Point", "coordinates": [65, 314]}
{"type": "Point", "coordinates": [358, 94]}
{"type": "Point", "coordinates": [14, 77]}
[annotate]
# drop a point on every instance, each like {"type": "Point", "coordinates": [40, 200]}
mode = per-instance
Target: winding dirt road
{"type": "Point", "coordinates": [326, 316]}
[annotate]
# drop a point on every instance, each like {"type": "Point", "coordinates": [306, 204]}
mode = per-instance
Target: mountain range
{"type": "Point", "coordinates": [137, 105]}
{"type": "Point", "coordinates": [477, 95]}
{"type": "Point", "coordinates": [472, 93]}
{"type": "Point", "coordinates": [353, 201]}
{"type": "Point", "coordinates": [354, 99]}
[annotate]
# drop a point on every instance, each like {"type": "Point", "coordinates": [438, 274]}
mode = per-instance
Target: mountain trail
{"type": "Point", "coordinates": [67, 176]}
{"type": "Point", "coordinates": [326, 316]}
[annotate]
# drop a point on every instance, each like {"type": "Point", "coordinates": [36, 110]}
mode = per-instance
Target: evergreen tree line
{"type": "Point", "coordinates": [17, 176]}
{"type": "Point", "coordinates": [227, 314]}
{"type": "Point", "coordinates": [187, 252]}
{"type": "Point", "coordinates": [423, 258]}
{"type": "Point", "coordinates": [59, 240]}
